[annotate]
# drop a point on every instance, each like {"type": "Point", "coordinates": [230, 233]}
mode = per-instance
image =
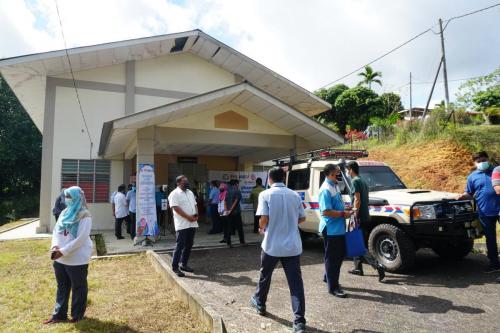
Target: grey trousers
{"type": "Point", "coordinates": [74, 279]}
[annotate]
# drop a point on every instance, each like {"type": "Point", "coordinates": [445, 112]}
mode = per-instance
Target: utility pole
{"type": "Point", "coordinates": [411, 104]}
{"type": "Point", "coordinates": [445, 73]}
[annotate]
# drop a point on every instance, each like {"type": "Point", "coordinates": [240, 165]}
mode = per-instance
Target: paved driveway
{"type": "Point", "coordinates": [436, 296]}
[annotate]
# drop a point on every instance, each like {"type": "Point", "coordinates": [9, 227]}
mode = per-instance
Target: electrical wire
{"type": "Point", "coordinates": [74, 81]}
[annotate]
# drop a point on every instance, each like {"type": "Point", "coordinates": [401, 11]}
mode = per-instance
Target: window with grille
{"type": "Point", "coordinates": [91, 175]}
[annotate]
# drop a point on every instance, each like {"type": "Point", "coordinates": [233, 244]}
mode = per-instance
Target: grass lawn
{"type": "Point", "coordinates": [125, 294]}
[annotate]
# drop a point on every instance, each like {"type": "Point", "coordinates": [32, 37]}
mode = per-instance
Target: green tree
{"type": "Point", "coordinates": [356, 106]}
{"type": "Point", "coordinates": [392, 102]}
{"type": "Point", "coordinates": [470, 89]}
{"type": "Point", "coordinates": [369, 77]}
{"type": "Point", "coordinates": [330, 95]}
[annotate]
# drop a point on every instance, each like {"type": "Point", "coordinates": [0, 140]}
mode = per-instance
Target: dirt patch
{"type": "Point", "coordinates": [438, 165]}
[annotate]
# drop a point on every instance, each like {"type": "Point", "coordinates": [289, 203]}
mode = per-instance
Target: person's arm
{"type": "Point", "coordinates": [236, 201]}
{"type": "Point", "coordinates": [357, 197]}
{"type": "Point", "coordinates": [179, 211]}
{"type": "Point", "coordinates": [326, 208]}
{"type": "Point", "coordinates": [263, 212]}
{"type": "Point", "coordinates": [54, 244]}
{"type": "Point", "coordinates": [469, 191]}
{"type": "Point", "coordinates": [302, 213]}
{"type": "Point", "coordinates": [82, 235]}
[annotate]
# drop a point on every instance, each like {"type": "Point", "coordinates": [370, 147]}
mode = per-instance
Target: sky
{"type": "Point", "coordinates": [310, 42]}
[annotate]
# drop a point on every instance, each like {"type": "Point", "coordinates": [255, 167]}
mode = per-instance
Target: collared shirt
{"type": "Point", "coordinates": [254, 196]}
{"type": "Point", "coordinates": [76, 250]}
{"type": "Point", "coordinates": [187, 202]}
{"type": "Point", "coordinates": [479, 185]}
{"type": "Point", "coordinates": [284, 208]}
{"type": "Point", "coordinates": [121, 208]}
{"type": "Point", "coordinates": [233, 194]}
{"type": "Point", "coordinates": [131, 196]}
{"type": "Point", "coordinates": [330, 198]}
{"type": "Point", "coordinates": [213, 197]}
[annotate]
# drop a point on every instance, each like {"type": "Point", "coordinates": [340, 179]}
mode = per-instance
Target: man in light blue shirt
{"type": "Point", "coordinates": [131, 199]}
{"type": "Point", "coordinates": [213, 204]}
{"type": "Point", "coordinates": [280, 210]}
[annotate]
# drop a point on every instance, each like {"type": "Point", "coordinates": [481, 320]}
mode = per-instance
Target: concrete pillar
{"type": "Point", "coordinates": [145, 151]}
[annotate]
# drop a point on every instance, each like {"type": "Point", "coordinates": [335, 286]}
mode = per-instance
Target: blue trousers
{"type": "Point", "coordinates": [74, 279]}
{"type": "Point", "coordinates": [489, 224]}
{"type": "Point", "coordinates": [216, 220]}
{"type": "Point", "coordinates": [291, 266]}
{"type": "Point", "coordinates": [334, 256]}
{"type": "Point", "coordinates": [183, 244]}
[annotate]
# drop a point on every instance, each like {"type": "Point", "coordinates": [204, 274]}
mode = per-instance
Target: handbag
{"type": "Point", "coordinates": [354, 240]}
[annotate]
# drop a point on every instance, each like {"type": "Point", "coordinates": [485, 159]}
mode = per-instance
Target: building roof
{"type": "Point", "coordinates": [117, 134]}
{"type": "Point", "coordinates": [26, 74]}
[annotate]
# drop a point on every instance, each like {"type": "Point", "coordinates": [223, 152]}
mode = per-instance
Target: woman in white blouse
{"type": "Point", "coordinates": [71, 251]}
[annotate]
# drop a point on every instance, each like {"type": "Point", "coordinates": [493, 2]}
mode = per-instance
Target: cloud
{"type": "Point", "coordinates": [310, 42]}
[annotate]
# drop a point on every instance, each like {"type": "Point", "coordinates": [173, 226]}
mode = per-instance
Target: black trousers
{"type": "Point", "coordinates": [183, 244]}
{"type": "Point", "coordinates": [334, 256]}
{"type": "Point", "coordinates": [74, 279]}
{"type": "Point", "coordinates": [118, 225]}
{"type": "Point", "coordinates": [216, 220]}
{"type": "Point", "coordinates": [291, 266]}
{"type": "Point", "coordinates": [234, 221]}
{"type": "Point", "coordinates": [367, 258]}
{"type": "Point", "coordinates": [131, 224]}
{"type": "Point", "coordinates": [256, 219]}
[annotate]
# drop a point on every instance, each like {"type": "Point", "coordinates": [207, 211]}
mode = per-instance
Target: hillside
{"type": "Point", "coordinates": [440, 164]}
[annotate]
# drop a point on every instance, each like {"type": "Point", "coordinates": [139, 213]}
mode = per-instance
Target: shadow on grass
{"type": "Point", "coordinates": [97, 325]}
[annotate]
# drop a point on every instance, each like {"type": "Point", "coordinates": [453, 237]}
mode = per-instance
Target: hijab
{"type": "Point", "coordinates": [76, 209]}
{"type": "Point", "coordinates": [223, 191]}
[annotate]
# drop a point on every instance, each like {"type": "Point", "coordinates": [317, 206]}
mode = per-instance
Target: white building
{"type": "Point", "coordinates": [167, 100]}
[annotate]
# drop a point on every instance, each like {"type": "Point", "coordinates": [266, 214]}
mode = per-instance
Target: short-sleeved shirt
{"type": "Point", "coordinates": [254, 196]}
{"type": "Point", "coordinates": [495, 177]}
{"type": "Point", "coordinates": [131, 195]}
{"type": "Point", "coordinates": [233, 194]}
{"type": "Point", "coordinates": [187, 202]}
{"type": "Point", "coordinates": [330, 198]}
{"type": "Point", "coordinates": [159, 195]}
{"type": "Point", "coordinates": [284, 208]}
{"type": "Point", "coordinates": [479, 185]}
{"type": "Point", "coordinates": [361, 187]}
{"type": "Point", "coordinates": [213, 197]}
{"type": "Point", "coordinates": [121, 208]}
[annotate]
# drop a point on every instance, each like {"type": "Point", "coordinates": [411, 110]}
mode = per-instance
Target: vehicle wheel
{"type": "Point", "coordinates": [306, 236]}
{"type": "Point", "coordinates": [392, 247]}
{"type": "Point", "coordinates": [453, 251]}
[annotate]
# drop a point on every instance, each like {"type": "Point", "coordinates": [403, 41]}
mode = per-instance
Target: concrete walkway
{"type": "Point", "coordinates": [27, 231]}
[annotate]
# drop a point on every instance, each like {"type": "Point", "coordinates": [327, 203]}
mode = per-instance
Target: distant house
{"type": "Point", "coordinates": [416, 113]}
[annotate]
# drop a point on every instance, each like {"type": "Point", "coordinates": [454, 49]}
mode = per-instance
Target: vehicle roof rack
{"type": "Point", "coordinates": [321, 154]}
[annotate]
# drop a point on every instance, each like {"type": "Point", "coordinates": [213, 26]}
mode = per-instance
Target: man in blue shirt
{"type": "Point", "coordinates": [332, 227]}
{"type": "Point", "coordinates": [479, 187]}
{"type": "Point", "coordinates": [280, 210]}
{"type": "Point", "coordinates": [131, 201]}
{"type": "Point", "coordinates": [213, 202]}
{"type": "Point", "coordinates": [233, 201]}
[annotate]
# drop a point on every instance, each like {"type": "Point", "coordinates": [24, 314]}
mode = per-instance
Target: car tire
{"type": "Point", "coordinates": [453, 251]}
{"type": "Point", "coordinates": [392, 247]}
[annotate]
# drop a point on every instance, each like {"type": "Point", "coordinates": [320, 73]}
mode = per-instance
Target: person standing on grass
{"type": "Point", "coordinates": [332, 227]}
{"type": "Point", "coordinates": [213, 202]}
{"type": "Point", "coordinates": [280, 210]}
{"type": "Point", "coordinates": [131, 203]}
{"type": "Point", "coordinates": [71, 250]}
{"type": "Point", "coordinates": [121, 210]}
{"type": "Point", "coordinates": [185, 213]}
{"type": "Point", "coordinates": [59, 205]}
{"type": "Point", "coordinates": [479, 186]}
{"type": "Point", "coordinates": [359, 198]}
{"type": "Point", "coordinates": [254, 199]}
{"type": "Point", "coordinates": [233, 200]}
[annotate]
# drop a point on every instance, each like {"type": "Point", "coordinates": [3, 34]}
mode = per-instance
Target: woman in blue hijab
{"type": "Point", "coordinates": [71, 252]}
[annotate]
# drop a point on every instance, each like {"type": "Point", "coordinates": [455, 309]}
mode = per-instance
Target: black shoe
{"type": "Point", "coordinates": [356, 272]}
{"type": "Point", "coordinates": [492, 268]}
{"type": "Point", "coordinates": [178, 272]}
{"type": "Point", "coordinates": [381, 272]}
{"type": "Point", "coordinates": [186, 269]}
{"type": "Point", "coordinates": [261, 309]}
{"type": "Point", "coordinates": [121, 237]}
{"type": "Point", "coordinates": [299, 328]}
{"type": "Point", "coordinates": [223, 241]}
{"type": "Point", "coordinates": [337, 292]}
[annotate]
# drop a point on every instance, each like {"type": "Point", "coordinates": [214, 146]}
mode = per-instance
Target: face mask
{"type": "Point", "coordinates": [68, 201]}
{"type": "Point", "coordinates": [185, 185]}
{"type": "Point", "coordinates": [482, 166]}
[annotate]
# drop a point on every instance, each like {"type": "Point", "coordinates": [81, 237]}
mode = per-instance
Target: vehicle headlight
{"type": "Point", "coordinates": [424, 212]}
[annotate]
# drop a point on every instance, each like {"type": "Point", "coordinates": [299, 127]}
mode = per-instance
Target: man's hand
{"type": "Point", "coordinates": [262, 231]}
{"type": "Point", "coordinates": [55, 248]}
{"type": "Point", "coordinates": [193, 218]}
{"type": "Point", "coordinates": [348, 213]}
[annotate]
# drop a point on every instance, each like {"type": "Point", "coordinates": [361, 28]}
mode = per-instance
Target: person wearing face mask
{"type": "Point", "coordinates": [131, 201]}
{"type": "Point", "coordinates": [332, 227]}
{"type": "Point", "coordinates": [71, 250]}
{"type": "Point", "coordinates": [185, 212]}
{"type": "Point", "coordinates": [479, 186]}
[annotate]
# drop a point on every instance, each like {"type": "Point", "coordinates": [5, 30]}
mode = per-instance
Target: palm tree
{"type": "Point", "coordinates": [369, 76]}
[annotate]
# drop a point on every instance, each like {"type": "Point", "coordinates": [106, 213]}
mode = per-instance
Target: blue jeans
{"type": "Point", "coordinates": [184, 243]}
{"type": "Point", "coordinates": [74, 279]}
{"type": "Point", "coordinates": [489, 224]}
{"type": "Point", "coordinates": [291, 266]}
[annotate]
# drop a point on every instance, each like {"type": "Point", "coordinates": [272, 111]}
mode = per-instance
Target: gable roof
{"type": "Point", "coordinates": [26, 74]}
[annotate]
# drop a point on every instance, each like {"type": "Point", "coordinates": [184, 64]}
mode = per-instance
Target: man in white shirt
{"type": "Point", "coordinates": [185, 214]}
{"type": "Point", "coordinates": [121, 210]}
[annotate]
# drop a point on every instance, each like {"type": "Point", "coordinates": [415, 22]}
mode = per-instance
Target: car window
{"type": "Point", "coordinates": [380, 178]}
{"type": "Point", "coordinates": [299, 179]}
{"type": "Point", "coordinates": [341, 182]}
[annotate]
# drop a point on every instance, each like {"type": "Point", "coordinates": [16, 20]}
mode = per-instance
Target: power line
{"type": "Point", "coordinates": [409, 41]}
{"type": "Point", "coordinates": [73, 79]}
